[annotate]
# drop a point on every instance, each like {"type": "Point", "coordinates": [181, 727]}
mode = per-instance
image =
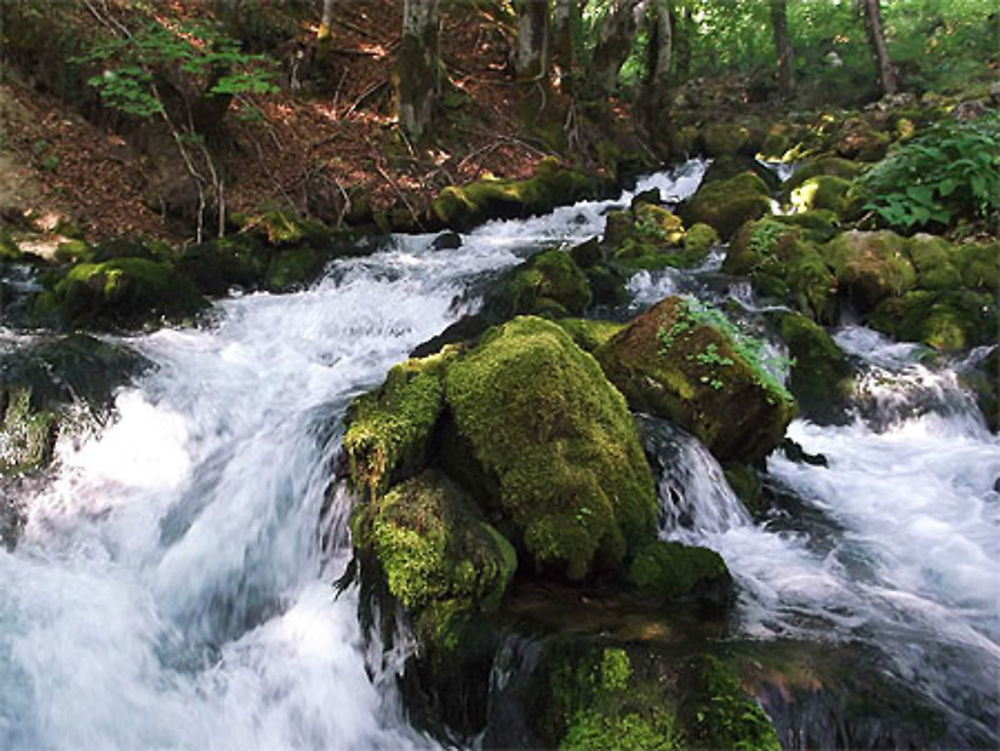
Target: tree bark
{"type": "Point", "coordinates": [564, 21]}
{"type": "Point", "coordinates": [683, 31]}
{"type": "Point", "coordinates": [416, 74]}
{"type": "Point", "coordinates": [661, 48]}
{"type": "Point", "coordinates": [327, 20]}
{"type": "Point", "coordinates": [883, 66]}
{"type": "Point", "coordinates": [613, 45]}
{"type": "Point", "coordinates": [783, 46]}
{"type": "Point", "coordinates": [532, 60]}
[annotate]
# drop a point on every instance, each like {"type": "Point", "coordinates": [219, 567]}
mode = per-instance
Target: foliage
{"type": "Point", "coordinates": [950, 172]}
{"type": "Point", "coordinates": [197, 49]}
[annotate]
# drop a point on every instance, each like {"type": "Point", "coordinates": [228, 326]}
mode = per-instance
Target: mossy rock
{"type": "Point", "coordinates": [126, 247]}
{"type": "Point", "coordinates": [950, 320]}
{"type": "Point", "coordinates": [821, 375]}
{"type": "Point", "coordinates": [463, 207]}
{"type": "Point", "coordinates": [617, 227]}
{"type": "Point", "coordinates": [727, 204]}
{"type": "Point", "coordinates": [727, 167]}
{"type": "Point", "coordinates": [979, 264]}
{"type": "Point", "coordinates": [589, 334]}
{"type": "Point", "coordinates": [859, 140]}
{"type": "Point", "coordinates": [588, 253]}
{"type": "Point", "coordinates": [125, 292]}
{"type": "Point", "coordinates": [745, 483]}
{"type": "Point", "coordinates": [699, 240]}
{"type": "Point", "coordinates": [870, 266]}
{"type": "Point", "coordinates": [540, 417]}
{"type": "Point", "coordinates": [823, 192]}
{"type": "Point", "coordinates": [434, 546]}
{"type": "Point", "coordinates": [8, 248]}
{"type": "Point", "coordinates": [548, 283]}
{"type": "Point", "coordinates": [217, 265]}
{"type": "Point", "coordinates": [934, 259]}
{"type": "Point", "coordinates": [820, 220]}
{"type": "Point", "coordinates": [281, 229]}
{"type": "Point", "coordinates": [679, 364]}
{"type": "Point", "coordinates": [830, 165]}
{"type": "Point", "coordinates": [294, 268]}
{"type": "Point", "coordinates": [389, 429]}
{"type": "Point", "coordinates": [725, 139]}
{"type": "Point", "coordinates": [783, 262]}
{"type": "Point", "coordinates": [983, 380]}
{"type": "Point", "coordinates": [665, 571]}
{"type": "Point", "coordinates": [656, 224]}
{"type": "Point", "coordinates": [607, 284]}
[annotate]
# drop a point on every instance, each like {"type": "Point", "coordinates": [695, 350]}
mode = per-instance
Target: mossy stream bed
{"type": "Point", "coordinates": [172, 582]}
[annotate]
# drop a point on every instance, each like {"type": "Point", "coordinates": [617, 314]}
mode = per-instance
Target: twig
{"type": "Point", "coordinates": [367, 93]}
{"type": "Point", "coordinates": [396, 188]}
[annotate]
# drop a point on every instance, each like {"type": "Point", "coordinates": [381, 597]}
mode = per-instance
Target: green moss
{"type": "Point", "coordinates": [540, 416]}
{"type": "Point", "coordinates": [699, 240]}
{"type": "Point", "coordinates": [217, 265]}
{"type": "Point", "coordinates": [726, 204]}
{"type": "Point", "coordinates": [702, 378]}
{"type": "Point", "coordinates": [294, 268]}
{"type": "Point", "coordinates": [656, 224]}
{"type": "Point", "coordinates": [125, 292]}
{"type": "Point", "coordinates": [280, 228]}
{"type": "Point", "coordinates": [549, 282]}
{"type": "Point", "coordinates": [817, 219]}
{"type": "Point", "coordinates": [589, 334]}
{"type": "Point", "coordinates": [826, 192]}
{"type": "Point", "coordinates": [26, 434]}
{"type": "Point", "coordinates": [980, 265]}
{"type": "Point", "coordinates": [73, 251]}
{"type": "Point", "coordinates": [821, 374]}
{"type": "Point", "coordinates": [983, 380]}
{"type": "Point", "coordinates": [745, 483]}
{"type": "Point", "coordinates": [933, 258]}
{"type": "Point", "coordinates": [835, 166]}
{"type": "Point", "coordinates": [462, 207]}
{"type": "Point", "coordinates": [8, 248]}
{"type": "Point", "coordinates": [587, 254]}
{"type": "Point", "coordinates": [722, 715]}
{"type": "Point", "coordinates": [594, 730]}
{"type": "Point", "coordinates": [666, 570]}
{"type": "Point", "coordinates": [949, 320]}
{"type": "Point", "coordinates": [871, 266]}
{"type": "Point", "coordinates": [388, 429]}
{"type": "Point", "coordinates": [435, 547]}
{"type": "Point", "coordinates": [725, 139]}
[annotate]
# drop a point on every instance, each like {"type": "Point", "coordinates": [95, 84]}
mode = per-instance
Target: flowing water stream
{"type": "Point", "coordinates": [170, 589]}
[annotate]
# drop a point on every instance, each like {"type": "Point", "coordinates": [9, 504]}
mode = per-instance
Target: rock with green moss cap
{"type": "Point", "coordinates": [294, 268]}
{"type": "Point", "coordinates": [727, 204]}
{"type": "Point", "coordinates": [948, 320]}
{"type": "Point", "coordinates": [664, 571]}
{"type": "Point", "coordinates": [725, 139]}
{"type": "Point", "coordinates": [933, 258]}
{"type": "Point", "coordinates": [388, 430]}
{"type": "Point", "coordinates": [870, 266]}
{"type": "Point", "coordinates": [125, 292]}
{"type": "Point", "coordinates": [829, 165]}
{"type": "Point", "coordinates": [822, 192]}
{"type": "Point", "coordinates": [463, 207]}
{"type": "Point", "coordinates": [821, 375]}
{"type": "Point", "coordinates": [217, 265]}
{"type": "Point", "coordinates": [589, 334]}
{"type": "Point", "coordinates": [699, 240]}
{"type": "Point", "coordinates": [550, 283]}
{"type": "Point", "coordinates": [539, 416]}
{"type": "Point", "coordinates": [979, 264]}
{"type": "Point", "coordinates": [983, 379]}
{"type": "Point", "coordinates": [280, 228]}
{"type": "Point", "coordinates": [686, 363]}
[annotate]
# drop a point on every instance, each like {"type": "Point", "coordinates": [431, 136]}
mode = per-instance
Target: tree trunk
{"type": "Point", "coordinates": [661, 46]}
{"type": "Point", "coordinates": [416, 74]}
{"type": "Point", "coordinates": [532, 61]}
{"type": "Point", "coordinates": [783, 46]}
{"type": "Point", "coordinates": [873, 22]}
{"type": "Point", "coordinates": [565, 19]}
{"type": "Point", "coordinates": [613, 45]}
{"type": "Point", "coordinates": [683, 32]}
{"type": "Point", "coordinates": [327, 20]}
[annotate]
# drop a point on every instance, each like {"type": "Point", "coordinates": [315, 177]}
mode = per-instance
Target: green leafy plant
{"type": "Point", "coordinates": [950, 172]}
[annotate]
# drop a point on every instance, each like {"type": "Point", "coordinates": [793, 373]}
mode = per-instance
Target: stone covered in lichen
{"type": "Point", "coordinates": [540, 417]}
{"type": "Point", "coordinates": [679, 363]}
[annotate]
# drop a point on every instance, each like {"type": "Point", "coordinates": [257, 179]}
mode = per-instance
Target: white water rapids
{"type": "Point", "coordinates": [169, 590]}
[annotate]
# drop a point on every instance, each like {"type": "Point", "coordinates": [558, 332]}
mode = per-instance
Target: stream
{"type": "Point", "coordinates": [170, 589]}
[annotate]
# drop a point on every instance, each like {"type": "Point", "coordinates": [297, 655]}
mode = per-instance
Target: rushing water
{"type": "Point", "coordinates": [170, 589]}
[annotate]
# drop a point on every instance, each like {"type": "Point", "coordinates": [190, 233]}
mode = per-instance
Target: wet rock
{"type": "Point", "coordinates": [870, 266]}
{"type": "Point", "coordinates": [727, 204]}
{"type": "Point", "coordinates": [947, 320]}
{"type": "Point", "coordinates": [682, 363]}
{"type": "Point", "coordinates": [549, 283]}
{"type": "Point", "coordinates": [820, 374]}
{"type": "Point", "coordinates": [447, 241]}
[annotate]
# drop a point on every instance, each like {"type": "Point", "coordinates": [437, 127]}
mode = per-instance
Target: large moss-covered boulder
{"type": "Point", "coordinates": [219, 264]}
{"type": "Point", "coordinates": [463, 207]}
{"type": "Point", "coordinates": [829, 166]}
{"type": "Point", "coordinates": [785, 262]}
{"type": "Point", "coordinates": [725, 139]}
{"type": "Point", "coordinates": [947, 320]}
{"type": "Point", "coordinates": [934, 259]}
{"type": "Point", "coordinates": [125, 292]}
{"type": "Point", "coordinates": [389, 429]}
{"type": "Point", "coordinates": [820, 376]}
{"type": "Point", "coordinates": [649, 237]}
{"type": "Point", "coordinates": [983, 380]}
{"type": "Point", "coordinates": [438, 554]}
{"type": "Point", "coordinates": [727, 204]}
{"type": "Point", "coordinates": [823, 192]}
{"type": "Point", "coordinates": [870, 266]}
{"type": "Point", "coordinates": [685, 363]}
{"type": "Point", "coordinates": [539, 416]}
{"type": "Point", "coordinates": [979, 264]}
{"type": "Point", "coordinates": [549, 283]}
